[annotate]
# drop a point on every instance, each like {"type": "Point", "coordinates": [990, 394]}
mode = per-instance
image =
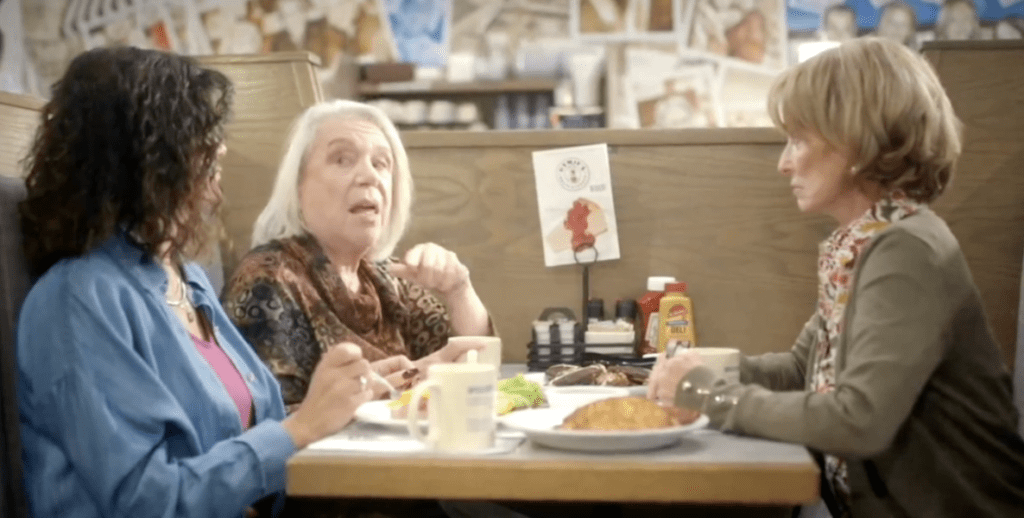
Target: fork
{"type": "Point", "coordinates": [394, 393]}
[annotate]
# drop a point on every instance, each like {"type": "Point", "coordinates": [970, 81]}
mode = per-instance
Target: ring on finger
{"type": "Point", "coordinates": [363, 382]}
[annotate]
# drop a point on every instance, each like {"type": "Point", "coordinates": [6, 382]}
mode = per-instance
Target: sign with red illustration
{"type": "Point", "coordinates": [574, 197]}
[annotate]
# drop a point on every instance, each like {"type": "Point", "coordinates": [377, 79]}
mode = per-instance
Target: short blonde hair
{"type": "Point", "coordinates": [881, 101]}
{"type": "Point", "coordinates": [282, 217]}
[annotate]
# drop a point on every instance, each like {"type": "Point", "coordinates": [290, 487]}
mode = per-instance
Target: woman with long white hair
{"type": "Point", "coordinates": [321, 271]}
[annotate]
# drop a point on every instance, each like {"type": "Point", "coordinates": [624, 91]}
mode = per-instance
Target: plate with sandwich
{"type": "Point", "coordinates": [619, 424]}
{"type": "Point", "coordinates": [513, 394]}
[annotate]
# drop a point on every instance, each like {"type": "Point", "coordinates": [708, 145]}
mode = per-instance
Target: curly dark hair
{"type": "Point", "coordinates": [128, 143]}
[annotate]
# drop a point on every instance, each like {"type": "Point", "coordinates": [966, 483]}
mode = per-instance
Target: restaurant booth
{"type": "Point", "coordinates": [705, 206]}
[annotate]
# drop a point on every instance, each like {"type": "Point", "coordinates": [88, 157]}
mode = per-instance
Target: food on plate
{"type": "Point", "coordinates": [615, 379]}
{"type": "Point", "coordinates": [597, 374]}
{"type": "Point", "coordinates": [625, 413]}
{"type": "Point", "coordinates": [518, 393]}
{"type": "Point", "coordinates": [400, 407]}
{"type": "Point", "coordinates": [513, 394]}
{"type": "Point", "coordinates": [557, 370]}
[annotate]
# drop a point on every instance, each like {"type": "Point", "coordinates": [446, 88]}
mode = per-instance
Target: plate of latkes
{"type": "Point", "coordinates": [620, 424]}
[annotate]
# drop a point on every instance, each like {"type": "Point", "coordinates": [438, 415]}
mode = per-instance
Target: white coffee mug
{"type": "Point", "coordinates": [491, 353]}
{"type": "Point", "coordinates": [724, 361]}
{"type": "Point", "coordinates": [460, 411]}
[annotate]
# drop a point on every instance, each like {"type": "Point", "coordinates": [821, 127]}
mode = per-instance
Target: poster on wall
{"type": "Point", "coordinates": [574, 199]}
{"type": "Point", "coordinates": [12, 51]}
{"type": "Point", "coordinates": [669, 89]}
{"type": "Point", "coordinates": [619, 20]}
{"type": "Point", "coordinates": [743, 90]}
{"type": "Point", "coordinates": [911, 22]}
{"type": "Point", "coordinates": [751, 31]}
{"type": "Point", "coordinates": [227, 28]}
{"type": "Point", "coordinates": [169, 25]}
{"type": "Point", "coordinates": [420, 30]}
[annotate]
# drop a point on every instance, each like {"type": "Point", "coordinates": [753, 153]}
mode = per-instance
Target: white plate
{"type": "Point", "coordinates": [378, 412]}
{"type": "Point", "coordinates": [539, 425]}
{"type": "Point", "coordinates": [575, 396]}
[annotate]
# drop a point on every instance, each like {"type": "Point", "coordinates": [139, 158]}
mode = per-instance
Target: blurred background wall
{"type": "Point", "coordinates": [505, 64]}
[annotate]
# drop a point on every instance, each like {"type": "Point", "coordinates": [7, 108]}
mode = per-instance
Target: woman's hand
{"type": "Point", "coordinates": [335, 391]}
{"type": "Point", "coordinates": [450, 353]}
{"type": "Point", "coordinates": [434, 267]}
{"type": "Point", "coordinates": [667, 373]}
{"type": "Point", "coordinates": [393, 369]}
{"type": "Point", "coordinates": [439, 269]}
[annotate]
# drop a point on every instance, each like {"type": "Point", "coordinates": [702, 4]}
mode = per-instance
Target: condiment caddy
{"type": "Point", "coordinates": [553, 343]}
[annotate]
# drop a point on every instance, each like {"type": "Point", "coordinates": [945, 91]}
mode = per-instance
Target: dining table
{"type": "Point", "coordinates": [706, 468]}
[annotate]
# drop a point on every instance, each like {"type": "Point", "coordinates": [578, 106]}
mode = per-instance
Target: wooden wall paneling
{"type": "Point", "coordinates": [20, 118]}
{"type": "Point", "coordinates": [706, 206]}
{"type": "Point", "coordinates": [270, 91]}
{"type": "Point", "coordinates": [985, 206]}
{"type": "Point", "coordinates": [715, 214]}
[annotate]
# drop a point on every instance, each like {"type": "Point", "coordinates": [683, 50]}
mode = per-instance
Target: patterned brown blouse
{"type": "Point", "coordinates": [291, 305]}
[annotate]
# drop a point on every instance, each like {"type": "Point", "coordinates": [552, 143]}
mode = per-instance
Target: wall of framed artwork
{"type": "Point", "coordinates": [913, 22]}
{"type": "Point", "coordinates": [625, 20]}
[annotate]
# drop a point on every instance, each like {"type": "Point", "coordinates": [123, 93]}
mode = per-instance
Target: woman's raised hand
{"type": "Point", "coordinates": [433, 266]}
{"type": "Point", "coordinates": [437, 268]}
{"type": "Point", "coordinates": [335, 391]}
{"type": "Point", "coordinates": [667, 373]}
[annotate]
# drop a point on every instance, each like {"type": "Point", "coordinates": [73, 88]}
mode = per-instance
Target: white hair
{"type": "Point", "coordinates": [282, 217]}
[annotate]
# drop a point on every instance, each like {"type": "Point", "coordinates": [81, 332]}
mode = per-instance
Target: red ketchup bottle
{"type": "Point", "coordinates": [649, 305]}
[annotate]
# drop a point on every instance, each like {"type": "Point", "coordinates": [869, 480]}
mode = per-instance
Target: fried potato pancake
{"type": "Point", "coordinates": [624, 413]}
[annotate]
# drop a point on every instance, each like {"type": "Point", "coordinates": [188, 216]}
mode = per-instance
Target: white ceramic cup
{"type": "Point", "coordinates": [460, 411]}
{"type": "Point", "coordinates": [490, 354]}
{"type": "Point", "coordinates": [415, 111]}
{"type": "Point", "coordinates": [441, 112]}
{"type": "Point", "coordinates": [724, 361]}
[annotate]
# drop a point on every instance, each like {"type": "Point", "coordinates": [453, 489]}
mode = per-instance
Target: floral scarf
{"type": "Point", "coordinates": [837, 259]}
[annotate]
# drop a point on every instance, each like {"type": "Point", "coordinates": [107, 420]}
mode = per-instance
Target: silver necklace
{"type": "Point", "coordinates": [182, 301]}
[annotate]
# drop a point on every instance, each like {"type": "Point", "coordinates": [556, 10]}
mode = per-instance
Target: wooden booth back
{"type": "Point", "coordinates": [20, 118]}
{"type": "Point", "coordinates": [704, 206]}
{"type": "Point", "coordinates": [270, 91]}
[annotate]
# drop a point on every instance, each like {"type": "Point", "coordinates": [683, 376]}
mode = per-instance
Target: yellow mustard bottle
{"type": "Point", "coordinates": [675, 319]}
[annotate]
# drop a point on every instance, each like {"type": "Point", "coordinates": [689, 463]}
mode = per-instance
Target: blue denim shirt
{"type": "Point", "coordinates": [120, 414]}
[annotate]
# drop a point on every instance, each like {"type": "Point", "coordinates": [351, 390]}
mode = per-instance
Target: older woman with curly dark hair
{"type": "Point", "coordinates": [138, 397]}
{"type": "Point", "coordinates": [896, 380]}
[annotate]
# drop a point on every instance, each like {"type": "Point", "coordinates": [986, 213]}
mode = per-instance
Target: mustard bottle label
{"type": "Point", "coordinates": [677, 328]}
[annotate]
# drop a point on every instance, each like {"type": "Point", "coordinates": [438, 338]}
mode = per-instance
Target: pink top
{"type": "Point", "coordinates": [228, 375]}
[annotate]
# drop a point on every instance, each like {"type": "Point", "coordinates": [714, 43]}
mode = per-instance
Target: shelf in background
{"type": "Point", "coordinates": [444, 87]}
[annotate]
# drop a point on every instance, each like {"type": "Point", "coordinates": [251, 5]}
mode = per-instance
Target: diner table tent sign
{"type": "Point", "coordinates": [576, 208]}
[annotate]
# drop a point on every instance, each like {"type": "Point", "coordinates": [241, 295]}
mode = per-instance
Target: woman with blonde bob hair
{"type": "Point", "coordinates": [321, 271]}
{"type": "Point", "coordinates": [895, 382]}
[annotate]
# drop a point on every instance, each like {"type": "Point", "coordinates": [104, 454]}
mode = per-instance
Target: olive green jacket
{"type": "Point", "coordinates": [922, 408]}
